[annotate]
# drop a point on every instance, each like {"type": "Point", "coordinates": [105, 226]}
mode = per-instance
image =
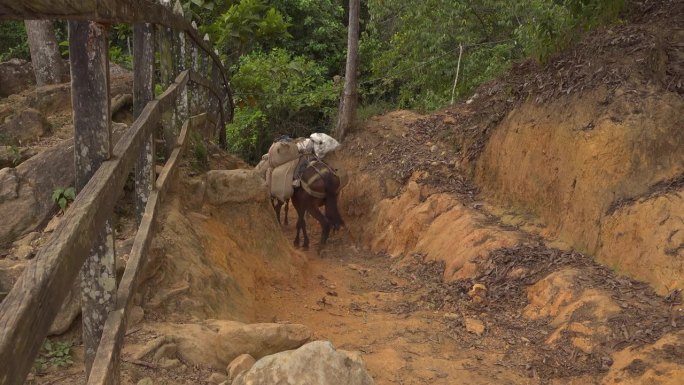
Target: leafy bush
{"type": "Point", "coordinates": [13, 41]}
{"type": "Point", "coordinates": [410, 49]}
{"type": "Point", "coordinates": [54, 354]}
{"type": "Point", "coordinates": [62, 197]}
{"type": "Point", "coordinates": [277, 93]}
{"type": "Point", "coordinates": [200, 153]}
{"type": "Point", "coordinates": [247, 25]}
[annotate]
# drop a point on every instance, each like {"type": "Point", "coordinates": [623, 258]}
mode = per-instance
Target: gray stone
{"type": "Point", "coordinates": [27, 189]}
{"type": "Point", "coordinates": [51, 99]}
{"type": "Point", "coordinates": [12, 156]}
{"type": "Point", "coordinates": [28, 239]}
{"type": "Point", "coordinates": [215, 343]}
{"type": "Point", "coordinates": [242, 363]}
{"type": "Point", "coordinates": [71, 308]}
{"type": "Point", "coordinates": [168, 363]}
{"type": "Point", "coordinates": [235, 186]}
{"type": "Point", "coordinates": [15, 76]}
{"type": "Point", "coordinates": [217, 378]}
{"type": "Point", "coordinates": [24, 126]}
{"type": "Point", "coordinates": [145, 381]}
{"type": "Point", "coordinates": [166, 351]}
{"type": "Point", "coordinates": [24, 252]}
{"type": "Point", "coordinates": [314, 363]}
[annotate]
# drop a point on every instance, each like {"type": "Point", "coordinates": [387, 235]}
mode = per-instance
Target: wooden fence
{"type": "Point", "coordinates": [31, 306]}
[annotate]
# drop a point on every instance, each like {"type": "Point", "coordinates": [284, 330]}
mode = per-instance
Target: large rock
{"type": "Point", "coordinates": [51, 99]}
{"type": "Point", "coordinates": [314, 363]}
{"type": "Point", "coordinates": [25, 192]}
{"type": "Point", "coordinates": [216, 343]}
{"type": "Point", "coordinates": [15, 76]}
{"type": "Point", "coordinates": [23, 126]}
{"type": "Point", "coordinates": [11, 156]}
{"type": "Point", "coordinates": [242, 363]}
{"type": "Point", "coordinates": [27, 189]}
{"type": "Point", "coordinates": [235, 186]}
{"type": "Point", "coordinates": [71, 308]}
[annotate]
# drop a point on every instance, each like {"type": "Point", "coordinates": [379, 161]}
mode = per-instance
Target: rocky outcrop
{"type": "Point", "coordinates": [16, 75]}
{"type": "Point", "coordinates": [314, 363]}
{"type": "Point", "coordinates": [27, 189]}
{"type": "Point", "coordinates": [51, 99]}
{"type": "Point", "coordinates": [216, 343]}
{"type": "Point", "coordinates": [242, 363]}
{"type": "Point", "coordinates": [24, 126]}
{"type": "Point", "coordinates": [235, 186]}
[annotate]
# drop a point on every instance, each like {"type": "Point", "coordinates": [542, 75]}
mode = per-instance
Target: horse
{"type": "Point", "coordinates": [319, 186]}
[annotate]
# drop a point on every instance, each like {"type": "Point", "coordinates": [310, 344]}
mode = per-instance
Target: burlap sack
{"type": "Point", "coordinates": [280, 180]}
{"type": "Point", "coordinates": [282, 152]}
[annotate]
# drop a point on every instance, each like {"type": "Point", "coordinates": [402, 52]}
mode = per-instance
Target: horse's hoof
{"type": "Point", "coordinates": [305, 247]}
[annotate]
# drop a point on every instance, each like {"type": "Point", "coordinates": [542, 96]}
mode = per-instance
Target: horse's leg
{"type": "Point", "coordinates": [287, 210]}
{"type": "Point", "coordinates": [305, 245]}
{"type": "Point", "coordinates": [300, 221]}
{"type": "Point", "coordinates": [325, 224]}
{"type": "Point", "coordinates": [276, 207]}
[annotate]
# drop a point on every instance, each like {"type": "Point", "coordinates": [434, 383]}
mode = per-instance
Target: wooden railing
{"type": "Point", "coordinates": [31, 306]}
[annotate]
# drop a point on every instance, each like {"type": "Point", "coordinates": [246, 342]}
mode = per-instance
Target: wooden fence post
{"type": "Point", "coordinates": [195, 90]}
{"type": "Point", "coordinates": [88, 52]}
{"type": "Point", "coordinates": [206, 95]}
{"type": "Point", "coordinates": [180, 61]}
{"type": "Point", "coordinates": [217, 79]}
{"type": "Point", "coordinates": [143, 92]}
{"type": "Point", "coordinates": [167, 73]}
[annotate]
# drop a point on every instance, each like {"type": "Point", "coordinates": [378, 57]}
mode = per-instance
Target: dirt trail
{"type": "Point", "coordinates": [414, 328]}
{"type": "Point", "coordinates": [360, 302]}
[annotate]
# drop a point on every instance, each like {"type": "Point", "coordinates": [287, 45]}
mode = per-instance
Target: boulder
{"type": "Point", "coordinates": [235, 186]}
{"type": "Point", "coordinates": [16, 75]}
{"type": "Point", "coordinates": [218, 342]}
{"type": "Point", "coordinates": [242, 363]}
{"type": "Point", "coordinates": [23, 126]}
{"type": "Point", "coordinates": [51, 99]}
{"type": "Point", "coordinates": [145, 381]}
{"type": "Point", "coordinates": [27, 189]}
{"type": "Point", "coordinates": [12, 156]}
{"type": "Point", "coordinates": [217, 378]}
{"type": "Point", "coordinates": [71, 308]}
{"type": "Point", "coordinates": [314, 363]}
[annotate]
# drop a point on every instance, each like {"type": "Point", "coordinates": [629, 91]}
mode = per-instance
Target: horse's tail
{"type": "Point", "coordinates": [331, 210]}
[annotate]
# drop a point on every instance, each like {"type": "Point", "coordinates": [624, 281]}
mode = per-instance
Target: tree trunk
{"type": "Point", "coordinates": [89, 55]}
{"type": "Point", "coordinates": [350, 98]}
{"type": "Point", "coordinates": [143, 92]}
{"type": "Point", "coordinates": [47, 62]}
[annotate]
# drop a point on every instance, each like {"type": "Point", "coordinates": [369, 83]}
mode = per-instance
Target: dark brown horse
{"type": "Point", "coordinates": [319, 187]}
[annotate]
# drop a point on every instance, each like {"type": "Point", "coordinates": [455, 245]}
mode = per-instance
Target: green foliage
{"type": "Point", "coordinates": [318, 31]}
{"type": "Point", "coordinates": [56, 354]}
{"type": "Point", "coordinates": [120, 45]}
{"type": "Point", "coordinates": [550, 26]}
{"type": "Point", "coordinates": [63, 196]}
{"type": "Point", "coordinates": [278, 93]}
{"type": "Point", "coordinates": [158, 89]}
{"type": "Point", "coordinates": [410, 49]}
{"type": "Point", "coordinates": [247, 25]}
{"type": "Point", "coordinates": [13, 41]}
{"type": "Point", "coordinates": [118, 56]}
{"type": "Point", "coordinates": [15, 153]}
{"type": "Point", "coordinates": [200, 153]}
